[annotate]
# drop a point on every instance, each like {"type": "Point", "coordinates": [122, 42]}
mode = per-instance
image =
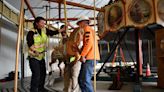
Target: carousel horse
{"type": "Point", "coordinates": [74, 44]}
{"type": "Point", "coordinates": [57, 55]}
{"type": "Point", "coordinates": [69, 49]}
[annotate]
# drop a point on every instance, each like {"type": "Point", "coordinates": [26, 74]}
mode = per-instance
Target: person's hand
{"type": "Point", "coordinates": [68, 24]}
{"type": "Point", "coordinates": [75, 48]}
{"type": "Point", "coordinates": [61, 30]}
{"type": "Point", "coordinates": [51, 27]}
{"type": "Point", "coordinates": [34, 53]}
{"type": "Point", "coordinates": [82, 59]}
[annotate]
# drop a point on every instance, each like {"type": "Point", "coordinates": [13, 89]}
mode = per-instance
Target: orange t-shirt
{"type": "Point", "coordinates": [88, 44]}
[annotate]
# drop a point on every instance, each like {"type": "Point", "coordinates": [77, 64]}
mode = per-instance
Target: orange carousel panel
{"type": "Point", "coordinates": [139, 13]}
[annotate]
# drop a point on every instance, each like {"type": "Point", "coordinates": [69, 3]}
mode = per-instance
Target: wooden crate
{"type": "Point", "coordinates": [159, 35]}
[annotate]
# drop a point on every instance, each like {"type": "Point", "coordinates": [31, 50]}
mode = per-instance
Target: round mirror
{"type": "Point", "coordinates": [115, 16]}
{"type": "Point", "coordinates": [139, 11]}
{"type": "Point", "coordinates": [160, 9]}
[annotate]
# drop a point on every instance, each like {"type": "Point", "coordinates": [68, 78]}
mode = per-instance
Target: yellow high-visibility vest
{"type": "Point", "coordinates": [39, 43]}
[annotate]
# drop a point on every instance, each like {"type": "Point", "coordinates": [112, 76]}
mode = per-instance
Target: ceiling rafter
{"type": "Point", "coordinates": [76, 4]}
{"type": "Point", "coordinates": [29, 7]}
{"type": "Point", "coordinates": [57, 19]}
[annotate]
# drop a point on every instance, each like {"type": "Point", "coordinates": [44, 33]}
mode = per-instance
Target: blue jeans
{"type": "Point", "coordinates": [86, 75]}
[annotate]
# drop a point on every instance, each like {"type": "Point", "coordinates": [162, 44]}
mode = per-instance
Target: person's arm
{"type": "Point", "coordinates": [29, 38]}
{"type": "Point", "coordinates": [68, 24]}
{"type": "Point", "coordinates": [50, 32]}
{"type": "Point", "coordinates": [55, 31]}
{"type": "Point", "coordinates": [30, 42]}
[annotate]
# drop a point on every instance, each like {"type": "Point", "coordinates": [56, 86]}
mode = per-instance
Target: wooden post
{"type": "Point", "coordinates": [160, 56]}
{"type": "Point", "coordinates": [18, 46]}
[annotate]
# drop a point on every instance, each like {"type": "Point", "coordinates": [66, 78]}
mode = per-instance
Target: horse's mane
{"type": "Point", "coordinates": [74, 40]}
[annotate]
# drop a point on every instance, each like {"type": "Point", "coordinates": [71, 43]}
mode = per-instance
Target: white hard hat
{"type": "Point", "coordinates": [82, 18]}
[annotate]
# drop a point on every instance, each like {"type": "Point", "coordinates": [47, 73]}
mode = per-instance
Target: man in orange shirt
{"type": "Point", "coordinates": [90, 51]}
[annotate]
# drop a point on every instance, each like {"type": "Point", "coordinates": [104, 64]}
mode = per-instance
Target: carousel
{"type": "Point", "coordinates": [125, 29]}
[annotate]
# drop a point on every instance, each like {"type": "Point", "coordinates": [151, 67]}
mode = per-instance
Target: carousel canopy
{"type": "Point", "coordinates": [75, 8]}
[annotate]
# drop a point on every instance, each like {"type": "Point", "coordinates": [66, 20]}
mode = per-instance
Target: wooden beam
{"type": "Point", "coordinates": [29, 7]}
{"type": "Point", "coordinates": [58, 19]}
{"type": "Point", "coordinates": [18, 45]}
{"type": "Point", "coordinates": [77, 5]}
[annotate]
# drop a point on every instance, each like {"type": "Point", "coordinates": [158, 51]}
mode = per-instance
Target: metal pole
{"type": "Point", "coordinates": [140, 54]}
{"type": "Point", "coordinates": [18, 46]}
{"type": "Point", "coordinates": [149, 52]}
{"type": "Point", "coordinates": [0, 32]}
{"type": "Point", "coordinates": [137, 87]}
{"type": "Point", "coordinates": [46, 12]}
{"type": "Point", "coordinates": [22, 44]}
{"type": "Point", "coordinates": [22, 56]}
{"type": "Point", "coordinates": [108, 47]}
{"type": "Point", "coordinates": [137, 54]}
{"type": "Point", "coordinates": [65, 14]}
{"type": "Point", "coordinates": [47, 44]}
{"type": "Point", "coordinates": [94, 46]}
{"type": "Point", "coordinates": [59, 11]}
{"type": "Point", "coordinates": [77, 5]}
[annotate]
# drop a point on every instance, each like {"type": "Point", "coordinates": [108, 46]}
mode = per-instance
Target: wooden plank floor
{"type": "Point", "coordinates": [102, 86]}
{"type": "Point", "coordinates": [25, 87]}
{"type": "Point", "coordinates": [9, 86]}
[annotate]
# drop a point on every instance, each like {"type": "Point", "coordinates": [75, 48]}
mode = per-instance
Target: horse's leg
{"type": "Point", "coordinates": [50, 64]}
{"type": "Point", "coordinates": [60, 73]}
